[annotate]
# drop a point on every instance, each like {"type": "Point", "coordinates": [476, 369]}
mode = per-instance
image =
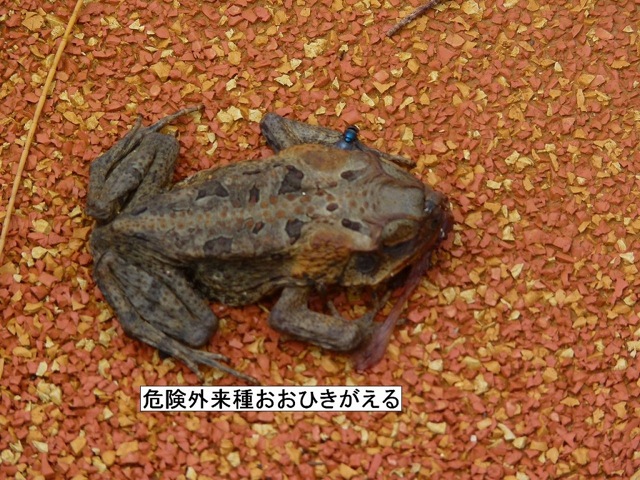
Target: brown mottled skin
{"type": "Point", "coordinates": [320, 212]}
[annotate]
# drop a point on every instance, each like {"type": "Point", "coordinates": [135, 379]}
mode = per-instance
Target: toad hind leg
{"type": "Point", "coordinates": [292, 316]}
{"type": "Point", "coordinates": [155, 309]}
{"type": "Point", "coordinates": [139, 165]}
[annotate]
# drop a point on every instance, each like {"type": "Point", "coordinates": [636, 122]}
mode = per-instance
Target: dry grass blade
{"type": "Point", "coordinates": [412, 16]}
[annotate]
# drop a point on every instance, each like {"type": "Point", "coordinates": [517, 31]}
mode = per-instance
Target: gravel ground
{"type": "Point", "coordinates": [518, 355]}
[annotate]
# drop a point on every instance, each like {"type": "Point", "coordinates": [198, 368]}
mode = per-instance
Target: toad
{"type": "Point", "coordinates": [325, 210]}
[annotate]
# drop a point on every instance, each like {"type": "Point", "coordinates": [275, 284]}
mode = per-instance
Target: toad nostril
{"type": "Point", "coordinates": [431, 204]}
{"type": "Point", "coordinates": [433, 201]}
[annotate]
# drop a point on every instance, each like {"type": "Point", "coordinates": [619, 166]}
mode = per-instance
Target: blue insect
{"type": "Point", "coordinates": [349, 140]}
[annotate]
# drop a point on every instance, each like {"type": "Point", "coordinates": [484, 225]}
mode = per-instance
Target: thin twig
{"type": "Point", "coordinates": [412, 16]}
{"type": "Point", "coordinates": [34, 125]}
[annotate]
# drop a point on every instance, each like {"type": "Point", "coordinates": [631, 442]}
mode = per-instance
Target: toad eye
{"type": "Point", "coordinates": [400, 250]}
{"type": "Point", "coordinates": [367, 263]}
{"type": "Point", "coordinates": [398, 238]}
{"type": "Point", "coordinates": [398, 232]}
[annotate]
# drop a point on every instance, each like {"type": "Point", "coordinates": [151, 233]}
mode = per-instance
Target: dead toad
{"type": "Point", "coordinates": [325, 210]}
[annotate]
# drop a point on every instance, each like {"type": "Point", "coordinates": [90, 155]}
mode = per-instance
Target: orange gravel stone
{"type": "Point", "coordinates": [519, 356]}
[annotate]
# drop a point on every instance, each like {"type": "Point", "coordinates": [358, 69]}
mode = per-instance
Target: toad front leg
{"type": "Point", "coordinates": [292, 316]}
{"type": "Point", "coordinates": [281, 133]}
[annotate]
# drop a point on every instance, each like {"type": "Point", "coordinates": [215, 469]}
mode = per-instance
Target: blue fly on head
{"type": "Point", "coordinates": [349, 139]}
